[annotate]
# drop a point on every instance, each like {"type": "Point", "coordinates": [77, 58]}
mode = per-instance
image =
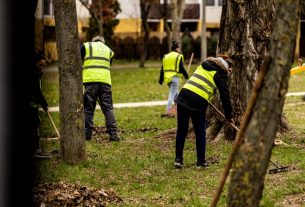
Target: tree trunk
{"type": "Point", "coordinates": [72, 130]}
{"type": "Point", "coordinates": [163, 11]}
{"type": "Point", "coordinates": [177, 11]}
{"type": "Point", "coordinates": [145, 7]}
{"type": "Point", "coordinates": [244, 35]}
{"type": "Point", "coordinates": [251, 161]}
{"type": "Point", "coordinates": [203, 33]}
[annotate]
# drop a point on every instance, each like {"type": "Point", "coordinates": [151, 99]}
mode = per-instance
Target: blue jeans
{"type": "Point", "coordinates": [173, 92]}
{"type": "Point", "coordinates": [198, 119]}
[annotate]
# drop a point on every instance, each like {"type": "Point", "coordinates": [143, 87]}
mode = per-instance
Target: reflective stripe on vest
{"type": "Point", "coordinates": [171, 63]}
{"type": "Point", "coordinates": [202, 83]}
{"type": "Point", "coordinates": [96, 67]}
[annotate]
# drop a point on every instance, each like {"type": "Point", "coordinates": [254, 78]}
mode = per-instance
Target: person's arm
{"type": "Point", "coordinates": [38, 94]}
{"type": "Point", "coordinates": [221, 79]}
{"type": "Point", "coordinates": [111, 57]}
{"type": "Point", "coordinates": [82, 52]}
{"type": "Point", "coordinates": [161, 78]}
{"type": "Point", "coordinates": [182, 69]}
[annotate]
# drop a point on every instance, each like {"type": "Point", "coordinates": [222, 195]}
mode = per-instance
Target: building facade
{"type": "Point", "coordinates": [128, 32]}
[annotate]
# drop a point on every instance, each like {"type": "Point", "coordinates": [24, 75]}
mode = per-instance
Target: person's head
{"type": "Point", "coordinates": [98, 38]}
{"type": "Point", "coordinates": [223, 61]}
{"type": "Point", "coordinates": [226, 61]}
{"type": "Point", "coordinates": [175, 46]}
{"type": "Point", "coordinates": [40, 62]}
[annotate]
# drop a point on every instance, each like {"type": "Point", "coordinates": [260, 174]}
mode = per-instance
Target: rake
{"type": "Point", "coordinates": [278, 169]}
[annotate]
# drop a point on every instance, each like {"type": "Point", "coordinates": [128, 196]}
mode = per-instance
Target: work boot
{"type": "Point", "coordinates": [202, 165]}
{"type": "Point", "coordinates": [114, 137]}
{"type": "Point", "coordinates": [88, 135]}
{"type": "Point", "coordinates": [178, 163]}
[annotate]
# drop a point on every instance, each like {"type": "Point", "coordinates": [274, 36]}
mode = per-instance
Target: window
{"type": "Point", "coordinates": [220, 2]}
{"type": "Point", "coordinates": [210, 2]}
{"type": "Point", "coordinates": [48, 7]}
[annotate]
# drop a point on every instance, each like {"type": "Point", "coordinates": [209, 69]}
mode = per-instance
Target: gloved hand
{"type": "Point", "coordinates": [230, 121]}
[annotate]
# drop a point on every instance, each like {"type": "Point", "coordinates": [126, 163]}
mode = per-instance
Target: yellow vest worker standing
{"type": "Point", "coordinates": [171, 72]}
{"type": "Point", "coordinates": [97, 58]}
{"type": "Point", "coordinates": [193, 100]}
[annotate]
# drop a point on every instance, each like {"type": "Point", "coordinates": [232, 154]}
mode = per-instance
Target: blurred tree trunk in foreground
{"type": "Point", "coordinates": [251, 161]}
{"type": "Point", "coordinates": [244, 35]}
{"type": "Point", "coordinates": [72, 124]}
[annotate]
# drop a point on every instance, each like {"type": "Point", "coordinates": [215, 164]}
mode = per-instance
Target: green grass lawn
{"type": "Point", "coordinates": [140, 167]}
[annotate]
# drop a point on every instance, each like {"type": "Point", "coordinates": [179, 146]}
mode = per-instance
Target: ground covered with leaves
{"type": "Point", "coordinates": [64, 194]}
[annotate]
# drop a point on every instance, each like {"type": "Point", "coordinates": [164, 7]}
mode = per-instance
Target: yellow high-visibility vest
{"type": "Point", "coordinates": [202, 83]}
{"type": "Point", "coordinates": [96, 66]}
{"type": "Point", "coordinates": [171, 63]}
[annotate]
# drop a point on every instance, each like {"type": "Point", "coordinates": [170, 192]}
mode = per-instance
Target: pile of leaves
{"type": "Point", "coordinates": [63, 194]}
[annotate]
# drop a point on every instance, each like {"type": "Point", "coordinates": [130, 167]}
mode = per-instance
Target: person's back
{"type": "Point", "coordinates": [171, 72]}
{"type": "Point", "coordinates": [97, 58]}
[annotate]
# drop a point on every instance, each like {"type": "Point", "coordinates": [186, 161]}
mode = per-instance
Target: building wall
{"type": "Point", "coordinates": [45, 29]}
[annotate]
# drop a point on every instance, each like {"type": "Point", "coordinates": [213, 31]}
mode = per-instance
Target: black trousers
{"type": "Point", "coordinates": [198, 119]}
{"type": "Point", "coordinates": [101, 93]}
{"type": "Point", "coordinates": [35, 124]}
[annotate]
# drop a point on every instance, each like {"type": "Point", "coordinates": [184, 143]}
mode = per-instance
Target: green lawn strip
{"type": "Point", "coordinates": [140, 167]}
{"type": "Point", "coordinates": [296, 82]}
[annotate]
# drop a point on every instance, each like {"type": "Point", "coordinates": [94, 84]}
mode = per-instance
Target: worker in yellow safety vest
{"type": "Point", "coordinates": [97, 59]}
{"type": "Point", "coordinates": [193, 100]}
{"type": "Point", "coordinates": [171, 72]}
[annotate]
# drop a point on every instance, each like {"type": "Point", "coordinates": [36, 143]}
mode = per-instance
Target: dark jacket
{"type": "Point", "coordinates": [36, 93]}
{"type": "Point", "coordinates": [195, 102]}
{"type": "Point", "coordinates": [181, 70]}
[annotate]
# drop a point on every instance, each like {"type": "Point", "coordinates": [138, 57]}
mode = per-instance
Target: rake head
{"type": "Point", "coordinates": [278, 170]}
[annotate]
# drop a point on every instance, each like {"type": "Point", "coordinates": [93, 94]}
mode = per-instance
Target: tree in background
{"type": "Point", "coordinates": [144, 8]}
{"type": "Point", "coordinates": [251, 161]}
{"type": "Point", "coordinates": [164, 15]}
{"type": "Point", "coordinates": [176, 12]}
{"type": "Point", "coordinates": [245, 30]}
{"type": "Point", "coordinates": [71, 114]}
{"type": "Point", "coordinates": [103, 12]}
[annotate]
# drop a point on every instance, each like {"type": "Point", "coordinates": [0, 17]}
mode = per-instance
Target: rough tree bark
{"type": "Point", "coordinates": [244, 35]}
{"type": "Point", "coordinates": [71, 113]}
{"type": "Point", "coordinates": [251, 161]}
{"type": "Point", "coordinates": [176, 12]}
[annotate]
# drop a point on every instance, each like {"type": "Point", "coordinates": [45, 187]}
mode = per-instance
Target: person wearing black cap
{"type": "Point", "coordinates": [97, 59]}
{"type": "Point", "coordinates": [193, 100]}
{"type": "Point", "coordinates": [37, 98]}
{"type": "Point", "coordinates": [171, 72]}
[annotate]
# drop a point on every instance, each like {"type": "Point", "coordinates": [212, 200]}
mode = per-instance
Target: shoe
{"type": "Point", "coordinates": [114, 137]}
{"type": "Point", "coordinates": [204, 165]}
{"type": "Point", "coordinates": [178, 163]}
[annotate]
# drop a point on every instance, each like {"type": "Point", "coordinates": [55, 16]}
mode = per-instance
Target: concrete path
{"type": "Point", "coordinates": [53, 67]}
{"type": "Point", "coordinates": [124, 105]}
{"type": "Point", "coordinates": [154, 103]}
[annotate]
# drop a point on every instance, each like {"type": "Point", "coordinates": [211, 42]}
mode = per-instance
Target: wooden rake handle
{"type": "Point", "coordinates": [233, 125]}
{"type": "Point", "coordinates": [188, 68]}
{"type": "Point", "coordinates": [54, 126]}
